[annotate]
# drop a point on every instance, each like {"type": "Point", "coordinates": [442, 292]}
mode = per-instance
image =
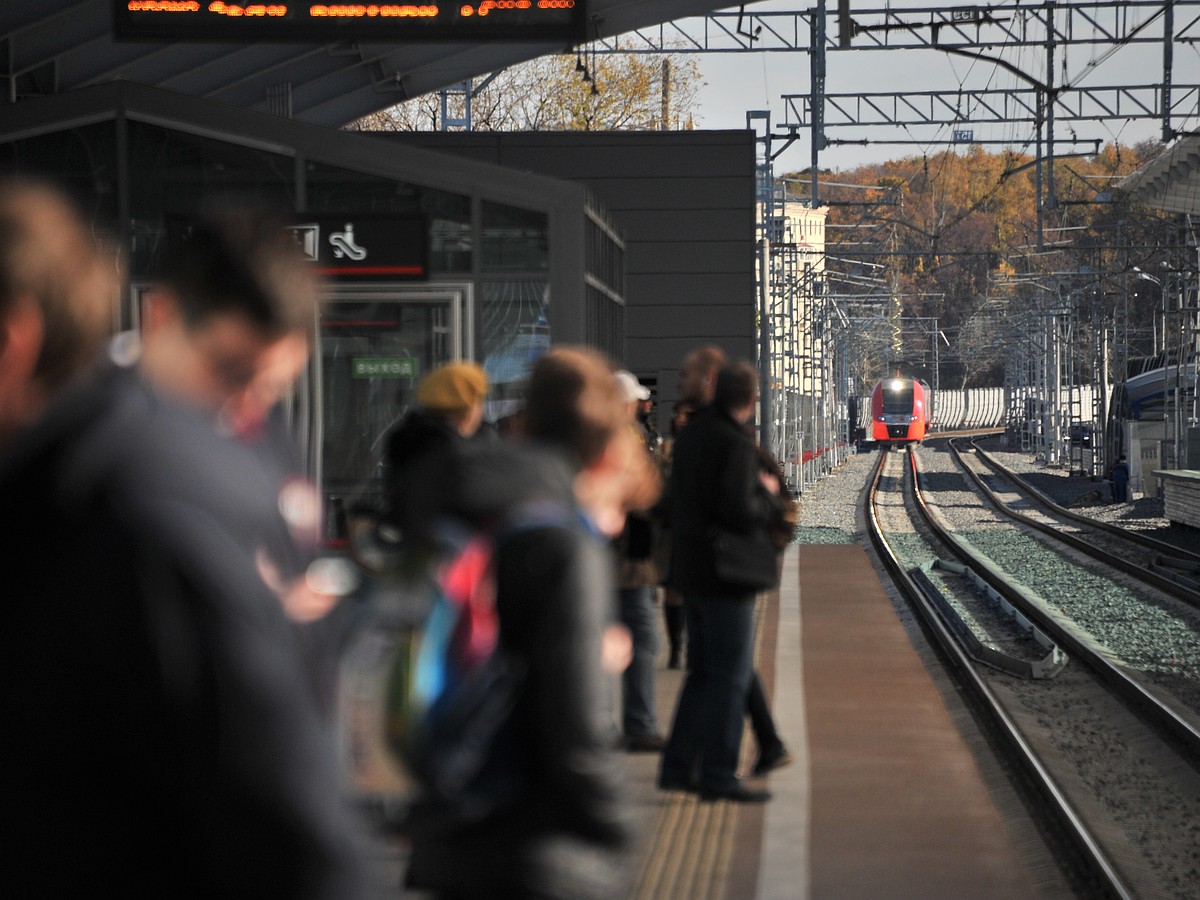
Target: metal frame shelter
{"type": "Point", "coordinates": [496, 288]}
{"type": "Point", "coordinates": [57, 46]}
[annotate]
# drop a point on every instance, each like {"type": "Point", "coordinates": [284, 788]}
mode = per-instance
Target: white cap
{"type": "Point", "coordinates": [631, 388]}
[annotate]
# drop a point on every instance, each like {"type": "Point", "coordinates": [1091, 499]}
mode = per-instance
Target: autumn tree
{"type": "Point", "coordinates": [566, 92]}
{"type": "Point", "coordinates": [961, 239]}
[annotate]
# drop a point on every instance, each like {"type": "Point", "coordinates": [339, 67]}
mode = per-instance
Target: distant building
{"type": "Point", "coordinates": [806, 422]}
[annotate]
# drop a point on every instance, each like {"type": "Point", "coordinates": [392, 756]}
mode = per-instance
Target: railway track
{"type": "Point", "coordinates": [1169, 568]}
{"type": "Point", "coordinates": [1106, 763]}
{"type": "Point", "coordinates": [1107, 591]}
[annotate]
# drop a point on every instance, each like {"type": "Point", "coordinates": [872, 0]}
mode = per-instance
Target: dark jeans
{"type": "Point", "coordinates": [761, 721]}
{"type": "Point", "coordinates": [637, 681]}
{"type": "Point", "coordinates": [707, 732]}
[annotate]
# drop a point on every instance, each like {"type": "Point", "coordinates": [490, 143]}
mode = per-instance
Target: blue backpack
{"type": "Point", "coordinates": [451, 687]}
{"type": "Point", "coordinates": [427, 678]}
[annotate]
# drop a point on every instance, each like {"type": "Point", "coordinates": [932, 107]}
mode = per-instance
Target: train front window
{"type": "Point", "coordinates": [898, 402]}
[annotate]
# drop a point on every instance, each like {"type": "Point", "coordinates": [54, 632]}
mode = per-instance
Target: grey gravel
{"type": "Point", "coordinates": [828, 507]}
{"type": "Point", "coordinates": [1093, 497]}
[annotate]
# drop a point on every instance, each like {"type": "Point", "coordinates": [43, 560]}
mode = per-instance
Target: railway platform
{"type": "Point", "coordinates": [885, 798]}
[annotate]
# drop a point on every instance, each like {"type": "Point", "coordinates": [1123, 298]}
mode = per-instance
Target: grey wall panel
{"type": "Point", "coordinates": [695, 225]}
{"type": "Point", "coordinates": [684, 205]}
{"type": "Point", "coordinates": [718, 192]}
{"type": "Point", "coordinates": [664, 160]}
{"type": "Point", "coordinates": [652, 320]}
{"type": "Point", "coordinates": [713, 289]}
{"type": "Point", "coordinates": [660, 353]}
{"type": "Point", "coordinates": [691, 257]}
{"type": "Point", "coordinates": [663, 154]}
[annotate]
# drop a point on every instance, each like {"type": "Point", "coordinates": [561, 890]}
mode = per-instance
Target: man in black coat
{"type": "Point", "coordinates": [715, 483]}
{"type": "Point", "coordinates": [162, 735]}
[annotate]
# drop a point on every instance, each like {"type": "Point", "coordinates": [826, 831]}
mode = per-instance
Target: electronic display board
{"type": "Point", "coordinates": [466, 21]}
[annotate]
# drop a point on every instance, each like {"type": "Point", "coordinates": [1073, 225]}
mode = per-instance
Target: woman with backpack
{"type": "Point", "coordinates": [566, 830]}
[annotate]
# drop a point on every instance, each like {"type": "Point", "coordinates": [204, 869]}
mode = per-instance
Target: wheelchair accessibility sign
{"type": "Point", "coordinates": [366, 248]}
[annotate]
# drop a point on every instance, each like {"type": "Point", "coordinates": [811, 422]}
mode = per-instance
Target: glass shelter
{"type": "Point", "coordinates": [428, 257]}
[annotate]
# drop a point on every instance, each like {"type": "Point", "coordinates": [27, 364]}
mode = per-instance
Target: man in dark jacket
{"type": "Point", "coordinates": [697, 383]}
{"type": "Point", "coordinates": [162, 731]}
{"type": "Point", "coordinates": [1120, 481]}
{"type": "Point", "coordinates": [637, 582]}
{"type": "Point", "coordinates": [715, 482]}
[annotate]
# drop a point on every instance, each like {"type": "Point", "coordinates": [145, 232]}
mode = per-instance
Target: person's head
{"type": "Point", "coordinates": [58, 290]}
{"type": "Point", "coordinates": [632, 391]}
{"type": "Point", "coordinates": [575, 403]}
{"type": "Point", "coordinates": [227, 328]}
{"type": "Point", "coordinates": [645, 408]}
{"type": "Point", "coordinates": [698, 375]}
{"type": "Point", "coordinates": [679, 416]}
{"type": "Point", "coordinates": [455, 392]}
{"type": "Point", "coordinates": [736, 390]}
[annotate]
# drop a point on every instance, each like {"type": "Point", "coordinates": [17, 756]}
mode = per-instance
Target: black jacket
{"type": "Point", "coordinates": [159, 728]}
{"type": "Point", "coordinates": [422, 458]}
{"type": "Point", "coordinates": [568, 835]}
{"type": "Point", "coordinates": [714, 483]}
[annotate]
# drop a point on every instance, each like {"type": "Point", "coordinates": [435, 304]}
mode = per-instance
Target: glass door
{"type": "Point", "coordinates": [374, 348]}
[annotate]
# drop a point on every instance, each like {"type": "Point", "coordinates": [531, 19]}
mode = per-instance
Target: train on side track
{"type": "Point", "coordinates": [900, 411]}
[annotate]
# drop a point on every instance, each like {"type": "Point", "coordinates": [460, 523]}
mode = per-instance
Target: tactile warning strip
{"type": "Point", "coordinates": [692, 848]}
{"type": "Point", "coordinates": [695, 850]}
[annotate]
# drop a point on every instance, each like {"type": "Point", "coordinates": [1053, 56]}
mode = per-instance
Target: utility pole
{"type": "Point", "coordinates": [817, 64]}
{"type": "Point", "coordinates": [1051, 97]}
{"type": "Point", "coordinates": [665, 125]}
{"type": "Point", "coordinates": [1168, 64]}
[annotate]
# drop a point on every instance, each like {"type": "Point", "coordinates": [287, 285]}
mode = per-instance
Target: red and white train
{"type": "Point", "coordinates": [900, 410]}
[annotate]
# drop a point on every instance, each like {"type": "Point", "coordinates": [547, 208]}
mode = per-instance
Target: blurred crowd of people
{"type": "Point", "coordinates": [168, 669]}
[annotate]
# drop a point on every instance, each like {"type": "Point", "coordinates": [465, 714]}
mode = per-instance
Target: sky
{"type": "Point", "coordinates": [738, 82]}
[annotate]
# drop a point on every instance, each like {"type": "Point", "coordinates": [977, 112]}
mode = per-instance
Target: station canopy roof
{"type": "Point", "coordinates": [1170, 181]}
{"type": "Point", "coordinates": [55, 46]}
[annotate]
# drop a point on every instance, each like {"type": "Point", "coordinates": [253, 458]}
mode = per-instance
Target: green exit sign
{"type": "Point", "coordinates": [385, 367]}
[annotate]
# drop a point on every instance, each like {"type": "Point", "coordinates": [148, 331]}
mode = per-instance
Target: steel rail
{"type": "Point", "coordinates": [1143, 573]}
{"type": "Point", "coordinates": [1148, 542]}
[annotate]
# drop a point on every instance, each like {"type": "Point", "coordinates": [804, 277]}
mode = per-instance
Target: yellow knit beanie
{"type": "Point", "coordinates": [454, 387]}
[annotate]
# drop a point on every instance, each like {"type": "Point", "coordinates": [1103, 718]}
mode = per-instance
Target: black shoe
{"type": "Point", "coordinates": [772, 760]}
{"type": "Point", "coordinates": [737, 793]}
{"type": "Point", "coordinates": [645, 743]}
